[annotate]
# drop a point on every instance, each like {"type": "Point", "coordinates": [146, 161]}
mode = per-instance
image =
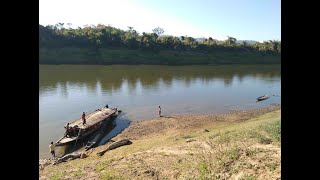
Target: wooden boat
{"type": "Point", "coordinates": [94, 121]}
{"type": "Point", "coordinates": [261, 98]}
{"type": "Point", "coordinates": [98, 135]}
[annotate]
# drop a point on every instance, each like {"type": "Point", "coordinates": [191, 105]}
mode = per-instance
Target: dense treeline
{"type": "Point", "coordinates": [98, 38]}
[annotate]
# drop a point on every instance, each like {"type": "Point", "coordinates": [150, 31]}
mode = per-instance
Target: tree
{"type": "Point", "coordinates": [167, 41]}
{"type": "Point", "coordinates": [231, 41]}
{"type": "Point", "coordinates": [130, 28]}
{"type": "Point", "coordinates": [274, 45]}
{"type": "Point", "coordinates": [244, 43]}
{"type": "Point", "coordinates": [69, 25]}
{"type": "Point", "coordinates": [59, 25]}
{"type": "Point", "coordinates": [130, 38]}
{"type": "Point", "coordinates": [158, 31]}
{"type": "Point", "coordinates": [102, 36]}
{"type": "Point", "coordinates": [211, 41]}
{"type": "Point", "coordinates": [279, 47]}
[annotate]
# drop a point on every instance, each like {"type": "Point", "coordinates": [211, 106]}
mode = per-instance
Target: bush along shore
{"type": "Point", "coordinates": [103, 44]}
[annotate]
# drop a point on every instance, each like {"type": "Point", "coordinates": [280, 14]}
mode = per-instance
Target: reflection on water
{"type": "Point", "coordinates": [65, 91]}
{"type": "Point", "coordinates": [111, 78]}
{"type": "Point", "coordinates": [121, 123]}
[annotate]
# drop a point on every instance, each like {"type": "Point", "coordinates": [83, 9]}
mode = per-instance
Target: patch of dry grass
{"type": "Point", "coordinates": [234, 148]}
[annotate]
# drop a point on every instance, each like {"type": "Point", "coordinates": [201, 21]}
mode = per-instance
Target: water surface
{"type": "Point", "coordinates": [65, 91]}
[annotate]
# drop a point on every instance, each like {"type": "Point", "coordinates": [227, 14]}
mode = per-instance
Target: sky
{"type": "Point", "coordinates": [258, 20]}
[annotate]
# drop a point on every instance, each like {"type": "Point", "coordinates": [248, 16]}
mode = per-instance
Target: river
{"type": "Point", "coordinates": [65, 91]}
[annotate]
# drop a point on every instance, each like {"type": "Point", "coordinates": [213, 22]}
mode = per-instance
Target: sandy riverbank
{"type": "Point", "coordinates": [237, 145]}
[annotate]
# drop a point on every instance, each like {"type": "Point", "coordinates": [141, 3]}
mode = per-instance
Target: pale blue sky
{"type": "Point", "coordinates": [243, 19]}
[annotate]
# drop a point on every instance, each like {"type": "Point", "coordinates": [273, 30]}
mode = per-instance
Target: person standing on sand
{"type": "Point", "coordinates": [83, 118]}
{"type": "Point", "coordinates": [51, 147]}
{"type": "Point", "coordinates": [160, 111]}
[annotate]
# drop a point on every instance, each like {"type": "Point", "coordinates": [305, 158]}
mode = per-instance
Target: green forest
{"type": "Point", "coordinates": [104, 44]}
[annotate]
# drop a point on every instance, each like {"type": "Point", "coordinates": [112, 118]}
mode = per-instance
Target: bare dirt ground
{"type": "Point", "coordinates": [163, 125]}
{"type": "Point", "coordinates": [236, 145]}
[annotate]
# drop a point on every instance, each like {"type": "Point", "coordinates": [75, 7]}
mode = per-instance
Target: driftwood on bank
{"type": "Point", "coordinates": [115, 145]}
{"type": "Point", "coordinates": [69, 157]}
{"type": "Point", "coordinates": [45, 162]}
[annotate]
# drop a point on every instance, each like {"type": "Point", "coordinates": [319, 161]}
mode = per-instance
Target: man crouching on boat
{"type": "Point", "coordinates": [67, 134]}
{"type": "Point", "coordinates": [83, 118]}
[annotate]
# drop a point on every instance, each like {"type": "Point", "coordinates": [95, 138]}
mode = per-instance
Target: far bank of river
{"type": "Point", "coordinates": [113, 56]}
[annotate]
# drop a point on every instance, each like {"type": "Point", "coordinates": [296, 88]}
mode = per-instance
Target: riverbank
{"type": "Point", "coordinates": [241, 144]}
{"type": "Point", "coordinates": [108, 56]}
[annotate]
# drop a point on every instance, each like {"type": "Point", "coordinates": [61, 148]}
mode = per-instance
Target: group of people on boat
{"type": "Point", "coordinates": [71, 131]}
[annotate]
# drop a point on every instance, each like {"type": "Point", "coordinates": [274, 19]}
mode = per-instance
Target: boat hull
{"type": "Point", "coordinates": [262, 98]}
{"type": "Point", "coordinates": [86, 132]}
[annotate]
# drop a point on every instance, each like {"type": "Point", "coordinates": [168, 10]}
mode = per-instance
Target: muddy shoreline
{"type": "Point", "coordinates": [232, 145]}
{"type": "Point", "coordinates": [143, 129]}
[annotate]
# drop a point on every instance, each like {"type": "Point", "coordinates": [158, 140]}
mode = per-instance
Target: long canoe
{"type": "Point", "coordinates": [94, 121]}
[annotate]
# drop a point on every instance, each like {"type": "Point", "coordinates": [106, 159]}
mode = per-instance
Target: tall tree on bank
{"type": "Point", "coordinates": [231, 41]}
{"type": "Point", "coordinates": [102, 36]}
{"type": "Point", "coordinates": [158, 31]}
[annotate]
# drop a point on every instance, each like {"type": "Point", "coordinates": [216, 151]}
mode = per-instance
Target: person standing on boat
{"type": "Point", "coordinates": [67, 134]}
{"type": "Point", "coordinates": [83, 118]}
{"type": "Point", "coordinates": [51, 147]}
{"type": "Point", "coordinates": [159, 111]}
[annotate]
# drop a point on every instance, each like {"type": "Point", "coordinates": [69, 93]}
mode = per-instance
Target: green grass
{"type": "Point", "coordinates": [78, 173]}
{"type": "Point", "coordinates": [203, 170]}
{"type": "Point", "coordinates": [272, 166]}
{"type": "Point", "coordinates": [274, 130]}
{"type": "Point", "coordinates": [229, 148]}
{"type": "Point", "coordinates": [100, 167]}
{"type": "Point", "coordinates": [234, 153]}
{"type": "Point", "coordinates": [103, 165]}
{"type": "Point", "coordinates": [165, 57]}
{"type": "Point", "coordinates": [57, 175]}
{"type": "Point", "coordinates": [108, 176]}
{"type": "Point", "coordinates": [247, 177]}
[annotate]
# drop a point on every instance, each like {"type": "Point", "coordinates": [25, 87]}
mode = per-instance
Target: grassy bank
{"type": "Point", "coordinates": [238, 145]}
{"type": "Point", "coordinates": [164, 57]}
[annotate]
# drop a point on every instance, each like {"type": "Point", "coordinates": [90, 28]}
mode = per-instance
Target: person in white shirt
{"type": "Point", "coordinates": [51, 147]}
